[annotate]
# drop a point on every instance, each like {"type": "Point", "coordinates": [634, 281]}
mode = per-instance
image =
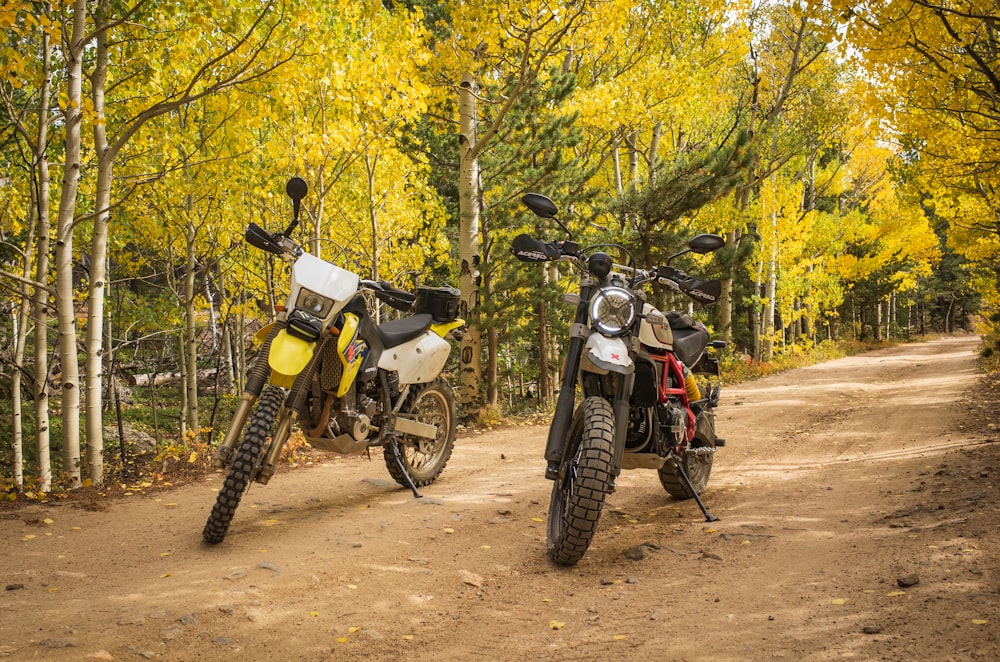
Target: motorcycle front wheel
{"type": "Point", "coordinates": [697, 466]}
{"type": "Point", "coordinates": [584, 482]}
{"type": "Point", "coordinates": [421, 458]}
{"type": "Point", "coordinates": [244, 463]}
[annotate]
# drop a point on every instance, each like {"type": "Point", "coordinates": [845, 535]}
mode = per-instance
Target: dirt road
{"type": "Point", "coordinates": [858, 522]}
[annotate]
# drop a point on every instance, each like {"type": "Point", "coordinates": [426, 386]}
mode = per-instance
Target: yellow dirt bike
{"type": "Point", "coordinates": [348, 383]}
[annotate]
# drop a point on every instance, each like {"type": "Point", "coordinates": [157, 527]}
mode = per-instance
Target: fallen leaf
{"type": "Point", "coordinates": [314, 613]}
{"type": "Point", "coordinates": [838, 601]}
{"type": "Point", "coordinates": [353, 629]}
{"type": "Point", "coordinates": [171, 505]}
{"type": "Point", "coordinates": [895, 594]}
{"type": "Point", "coordinates": [164, 576]}
{"type": "Point", "coordinates": [341, 640]}
{"type": "Point", "coordinates": [537, 519]}
{"type": "Point", "coordinates": [353, 587]}
{"type": "Point", "coordinates": [47, 520]}
{"type": "Point", "coordinates": [448, 529]}
{"type": "Point", "coordinates": [192, 458]}
{"type": "Point", "coordinates": [30, 536]}
{"type": "Point", "coordinates": [164, 553]}
{"type": "Point", "coordinates": [408, 637]}
{"type": "Point", "coordinates": [619, 637]}
{"type": "Point", "coordinates": [556, 625]}
{"type": "Point", "coordinates": [979, 621]}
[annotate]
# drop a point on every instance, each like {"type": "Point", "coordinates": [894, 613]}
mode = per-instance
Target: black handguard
{"type": "Point", "coordinates": [529, 249]}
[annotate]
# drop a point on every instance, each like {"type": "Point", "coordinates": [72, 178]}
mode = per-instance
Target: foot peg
{"type": "Point", "coordinates": [719, 442]}
{"type": "Point", "coordinates": [552, 471]}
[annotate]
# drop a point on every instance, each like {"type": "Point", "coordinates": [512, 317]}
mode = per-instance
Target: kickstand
{"type": "Point", "coordinates": [709, 517]}
{"type": "Point", "coordinates": [399, 463]}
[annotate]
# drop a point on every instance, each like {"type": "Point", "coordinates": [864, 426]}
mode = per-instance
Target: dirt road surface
{"type": "Point", "coordinates": [858, 521]}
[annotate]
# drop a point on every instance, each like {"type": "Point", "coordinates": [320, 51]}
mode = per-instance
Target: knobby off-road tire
{"type": "Point", "coordinates": [697, 466]}
{"type": "Point", "coordinates": [255, 440]}
{"type": "Point", "coordinates": [584, 482]}
{"type": "Point", "coordinates": [424, 459]}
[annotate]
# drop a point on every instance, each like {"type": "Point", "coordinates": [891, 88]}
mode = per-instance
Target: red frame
{"type": "Point", "coordinates": [671, 366]}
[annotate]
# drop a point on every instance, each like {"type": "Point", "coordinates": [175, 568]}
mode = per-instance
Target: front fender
{"type": "Point", "coordinates": [602, 355]}
{"type": "Point", "coordinates": [288, 357]}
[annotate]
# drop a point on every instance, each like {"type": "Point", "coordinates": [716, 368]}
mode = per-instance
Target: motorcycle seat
{"type": "Point", "coordinates": [396, 332]}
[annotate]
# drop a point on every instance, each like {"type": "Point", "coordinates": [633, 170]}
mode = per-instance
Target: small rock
{"type": "Point", "coordinates": [15, 587]}
{"type": "Point", "coordinates": [130, 619]}
{"type": "Point", "coordinates": [269, 565]}
{"type": "Point", "coordinates": [503, 511]}
{"type": "Point", "coordinates": [188, 619]}
{"type": "Point", "coordinates": [871, 629]}
{"type": "Point", "coordinates": [223, 641]}
{"type": "Point", "coordinates": [58, 643]}
{"type": "Point", "coordinates": [471, 578]}
{"type": "Point", "coordinates": [908, 580]}
{"type": "Point", "coordinates": [635, 553]}
{"type": "Point", "coordinates": [607, 582]}
{"type": "Point", "coordinates": [171, 633]}
{"type": "Point", "coordinates": [236, 574]}
{"type": "Point", "coordinates": [100, 655]}
{"type": "Point", "coordinates": [632, 580]}
{"type": "Point", "coordinates": [226, 609]}
{"type": "Point", "coordinates": [711, 556]}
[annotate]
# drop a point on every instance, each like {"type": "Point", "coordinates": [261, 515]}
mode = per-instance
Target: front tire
{"type": "Point", "coordinates": [256, 439]}
{"type": "Point", "coordinates": [421, 458]}
{"type": "Point", "coordinates": [584, 482]}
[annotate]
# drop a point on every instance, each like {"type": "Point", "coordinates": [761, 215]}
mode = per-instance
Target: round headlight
{"type": "Point", "coordinates": [313, 303]}
{"type": "Point", "coordinates": [612, 310]}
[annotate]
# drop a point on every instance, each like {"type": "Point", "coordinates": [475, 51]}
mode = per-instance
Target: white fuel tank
{"type": "Point", "coordinates": [656, 334]}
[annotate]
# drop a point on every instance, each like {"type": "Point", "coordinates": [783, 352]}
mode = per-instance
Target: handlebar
{"type": "Point", "coordinates": [529, 249]}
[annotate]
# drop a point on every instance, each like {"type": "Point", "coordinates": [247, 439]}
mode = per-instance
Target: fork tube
{"type": "Point", "coordinates": [567, 393]}
{"type": "Point", "coordinates": [255, 384]}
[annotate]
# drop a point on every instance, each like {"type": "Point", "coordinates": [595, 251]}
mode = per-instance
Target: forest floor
{"type": "Point", "coordinates": [858, 521]}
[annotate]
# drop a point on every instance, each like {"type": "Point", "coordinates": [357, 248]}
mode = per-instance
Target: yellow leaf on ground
{"type": "Point", "coordinates": [341, 640]}
{"type": "Point", "coordinates": [47, 520]}
{"type": "Point", "coordinates": [556, 625]}
{"type": "Point", "coordinates": [165, 575]}
{"type": "Point", "coordinates": [619, 637]}
{"type": "Point", "coordinates": [448, 529]}
{"type": "Point", "coordinates": [408, 637]}
{"type": "Point", "coordinates": [314, 613]}
{"type": "Point", "coordinates": [838, 601]}
{"type": "Point", "coordinates": [537, 519]}
{"type": "Point", "coordinates": [979, 621]}
{"type": "Point", "coordinates": [895, 594]}
{"type": "Point", "coordinates": [353, 629]}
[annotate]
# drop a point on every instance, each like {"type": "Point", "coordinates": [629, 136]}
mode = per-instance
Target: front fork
{"type": "Point", "coordinates": [565, 405]}
{"type": "Point", "coordinates": [256, 379]}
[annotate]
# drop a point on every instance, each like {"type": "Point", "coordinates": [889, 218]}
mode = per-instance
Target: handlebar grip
{"type": "Point", "coordinates": [529, 249]}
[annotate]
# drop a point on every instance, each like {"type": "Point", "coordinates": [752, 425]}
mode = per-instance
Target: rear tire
{"type": "Point", "coordinates": [424, 459]}
{"type": "Point", "coordinates": [584, 482]}
{"type": "Point", "coordinates": [256, 439]}
{"type": "Point", "coordinates": [697, 466]}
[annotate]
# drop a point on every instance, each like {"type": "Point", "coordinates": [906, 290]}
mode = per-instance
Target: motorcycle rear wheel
{"type": "Point", "coordinates": [244, 463]}
{"type": "Point", "coordinates": [425, 459]}
{"type": "Point", "coordinates": [697, 466]}
{"type": "Point", "coordinates": [584, 482]}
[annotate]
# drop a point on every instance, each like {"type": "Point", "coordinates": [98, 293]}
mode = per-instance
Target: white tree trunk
{"type": "Point", "coordinates": [468, 196]}
{"type": "Point", "coordinates": [68, 358]}
{"type": "Point", "coordinates": [40, 300]}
